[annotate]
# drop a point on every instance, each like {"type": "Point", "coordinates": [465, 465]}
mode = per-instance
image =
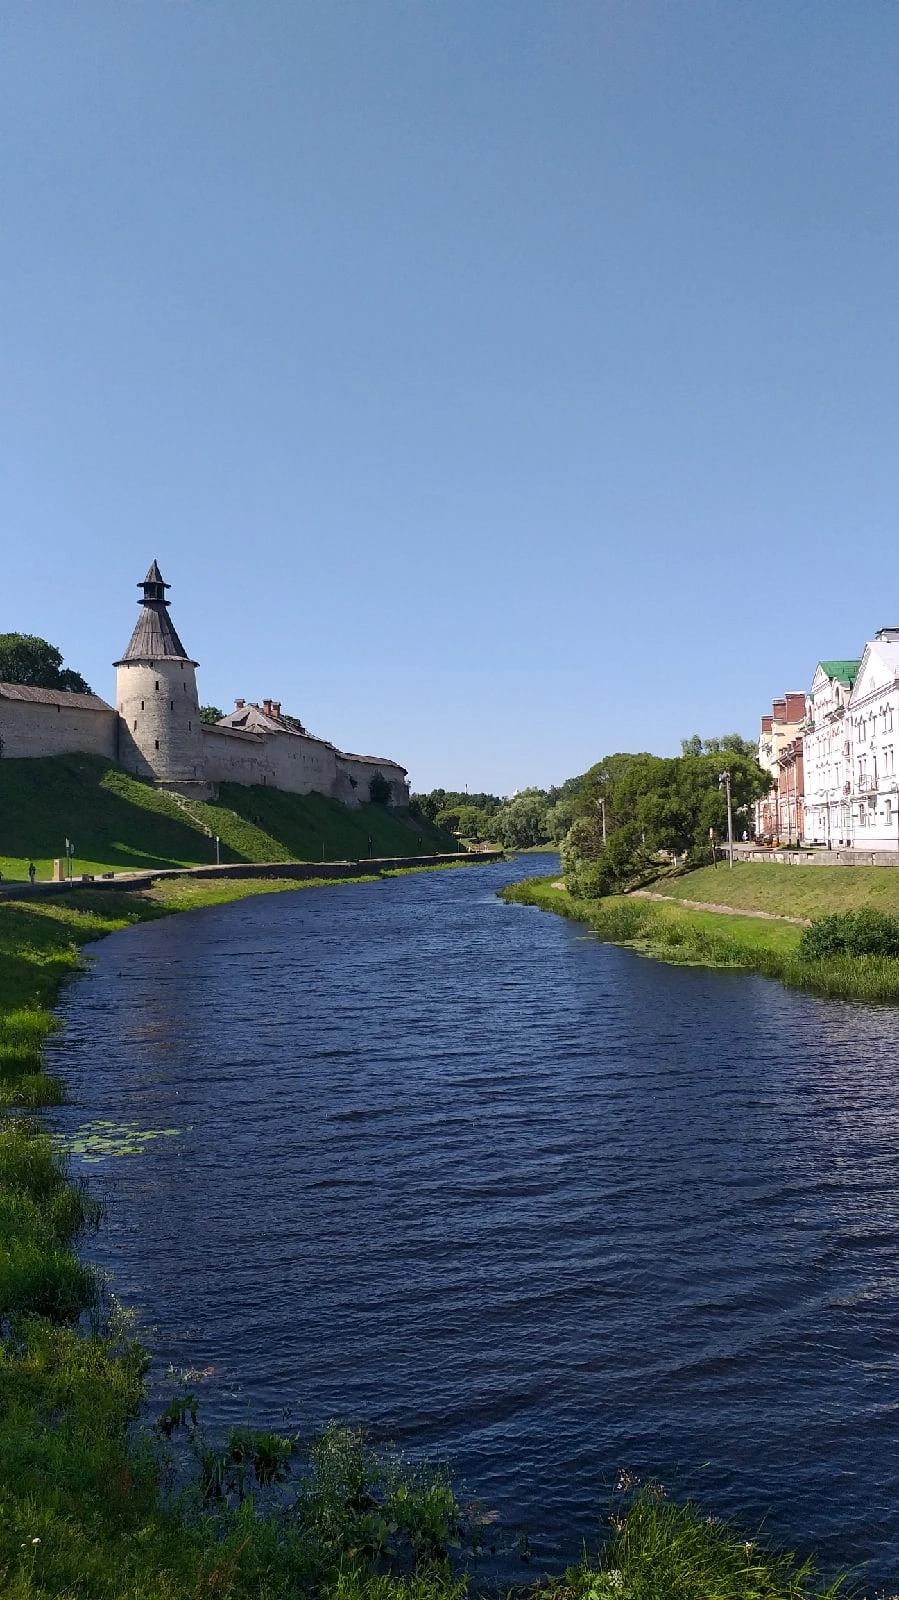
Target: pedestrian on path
{"type": "Point", "coordinates": [32, 870]}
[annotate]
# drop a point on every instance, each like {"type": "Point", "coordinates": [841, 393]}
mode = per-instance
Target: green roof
{"type": "Point", "coordinates": [843, 671]}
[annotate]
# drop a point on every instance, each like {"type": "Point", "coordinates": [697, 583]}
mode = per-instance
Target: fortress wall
{"type": "Point", "coordinates": [29, 728]}
{"type": "Point", "coordinates": [302, 765]}
{"type": "Point", "coordinates": [353, 771]}
{"type": "Point", "coordinates": [161, 735]}
{"type": "Point", "coordinates": [292, 762]}
{"type": "Point", "coordinates": [232, 756]}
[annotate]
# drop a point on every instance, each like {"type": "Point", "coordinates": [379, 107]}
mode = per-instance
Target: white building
{"type": "Point", "coordinates": [827, 754]}
{"type": "Point", "coordinates": [873, 719]}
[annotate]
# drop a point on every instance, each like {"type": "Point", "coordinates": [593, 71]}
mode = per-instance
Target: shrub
{"type": "Point", "coordinates": [855, 933]}
{"type": "Point", "coordinates": [380, 790]}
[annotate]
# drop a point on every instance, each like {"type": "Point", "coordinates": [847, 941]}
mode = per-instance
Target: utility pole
{"type": "Point", "coordinates": [602, 808]}
{"type": "Point", "coordinates": [724, 783]}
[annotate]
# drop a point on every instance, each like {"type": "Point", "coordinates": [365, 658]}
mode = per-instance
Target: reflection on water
{"type": "Point", "coordinates": [512, 1196]}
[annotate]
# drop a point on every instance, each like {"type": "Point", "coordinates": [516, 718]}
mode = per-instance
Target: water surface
{"type": "Point", "coordinates": [511, 1196]}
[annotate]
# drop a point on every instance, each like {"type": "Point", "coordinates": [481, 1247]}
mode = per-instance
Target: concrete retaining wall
{"type": "Point", "coordinates": [331, 870]}
{"type": "Point", "coordinates": [821, 858]}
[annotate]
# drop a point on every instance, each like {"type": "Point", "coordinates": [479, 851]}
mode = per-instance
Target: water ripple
{"type": "Point", "coordinates": [511, 1196]}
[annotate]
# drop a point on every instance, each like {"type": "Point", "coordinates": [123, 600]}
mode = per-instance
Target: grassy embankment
{"type": "Point", "coordinates": [118, 823]}
{"type": "Point", "coordinates": [83, 1507]}
{"type": "Point", "coordinates": [671, 931]}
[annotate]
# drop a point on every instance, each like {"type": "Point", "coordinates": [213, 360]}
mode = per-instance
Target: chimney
{"type": "Point", "coordinates": [267, 707]}
{"type": "Point", "coordinates": [239, 705]}
{"type": "Point", "coordinates": [276, 708]}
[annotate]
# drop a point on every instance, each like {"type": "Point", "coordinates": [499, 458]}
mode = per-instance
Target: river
{"type": "Point", "coordinates": [514, 1198]}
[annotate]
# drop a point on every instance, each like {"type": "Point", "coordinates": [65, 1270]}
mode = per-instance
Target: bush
{"type": "Point", "coordinates": [380, 790]}
{"type": "Point", "coordinates": [855, 933]}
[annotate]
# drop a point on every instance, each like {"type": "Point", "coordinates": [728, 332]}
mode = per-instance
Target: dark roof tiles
{"type": "Point", "coordinates": [154, 637]}
{"type": "Point", "coordinates": [52, 697]}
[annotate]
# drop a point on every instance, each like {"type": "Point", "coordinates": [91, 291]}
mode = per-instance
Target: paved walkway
{"type": "Point", "coordinates": [727, 911]}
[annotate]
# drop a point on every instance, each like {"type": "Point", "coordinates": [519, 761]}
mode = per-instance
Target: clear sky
{"type": "Point", "coordinates": [498, 383]}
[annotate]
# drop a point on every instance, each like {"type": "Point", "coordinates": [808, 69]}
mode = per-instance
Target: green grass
{"type": "Point", "coordinates": [661, 1551]}
{"type": "Point", "coordinates": [787, 891]}
{"type": "Point", "coordinates": [118, 822]}
{"type": "Point", "coordinates": [675, 933]}
{"type": "Point", "coordinates": [85, 1513]}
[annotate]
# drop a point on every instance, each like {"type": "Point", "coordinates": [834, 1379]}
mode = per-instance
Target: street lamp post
{"type": "Point", "coordinates": [724, 783]}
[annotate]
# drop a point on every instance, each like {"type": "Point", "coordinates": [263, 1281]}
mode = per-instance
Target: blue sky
{"type": "Point", "coordinates": [498, 383]}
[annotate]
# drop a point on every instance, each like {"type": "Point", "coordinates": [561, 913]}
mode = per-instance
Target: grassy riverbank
{"type": "Point", "coordinates": [117, 822]}
{"type": "Point", "coordinates": [788, 891]}
{"type": "Point", "coordinates": [671, 931]}
{"type": "Point", "coordinates": [85, 1513]}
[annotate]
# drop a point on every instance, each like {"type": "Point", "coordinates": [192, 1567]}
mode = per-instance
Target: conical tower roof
{"type": "Point", "coordinates": [155, 637]}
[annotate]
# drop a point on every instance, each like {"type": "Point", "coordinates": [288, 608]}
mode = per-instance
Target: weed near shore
{"type": "Point", "coordinates": [672, 932]}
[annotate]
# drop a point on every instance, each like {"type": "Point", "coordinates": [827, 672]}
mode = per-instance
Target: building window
{"type": "Point", "coordinates": [157, 684]}
{"type": "Point", "coordinates": [135, 724]}
{"type": "Point", "coordinates": [142, 707]}
{"type": "Point", "coordinates": [188, 727]}
{"type": "Point", "coordinates": [156, 742]}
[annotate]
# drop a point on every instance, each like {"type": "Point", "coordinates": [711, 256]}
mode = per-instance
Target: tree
{"type": "Point", "coordinates": [211, 714]}
{"type": "Point", "coordinates": [521, 822]}
{"type": "Point", "coordinates": [731, 742]}
{"type": "Point", "coordinates": [380, 790]}
{"type": "Point", "coordinates": [27, 659]}
{"type": "Point", "coordinates": [652, 804]}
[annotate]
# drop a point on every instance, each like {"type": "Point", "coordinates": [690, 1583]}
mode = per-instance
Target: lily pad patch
{"type": "Point", "coordinates": [94, 1142]}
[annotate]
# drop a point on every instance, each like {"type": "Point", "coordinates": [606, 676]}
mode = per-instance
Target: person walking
{"type": "Point", "coordinates": [32, 871]}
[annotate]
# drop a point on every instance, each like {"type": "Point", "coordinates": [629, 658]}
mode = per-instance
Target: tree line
{"type": "Point", "coordinates": [615, 821]}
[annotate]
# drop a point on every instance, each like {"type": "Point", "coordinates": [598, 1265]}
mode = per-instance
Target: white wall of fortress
{"type": "Point", "coordinates": [296, 763]}
{"type": "Point", "coordinates": [157, 734]}
{"type": "Point", "coordinates": [30, 728]}
{"type": "Point", "coordinates": [350, 771]}
{"type": "Point", "coordinates": [288, 761]}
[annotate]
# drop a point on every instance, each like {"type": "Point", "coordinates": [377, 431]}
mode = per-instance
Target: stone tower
{"type": "Point", "coordinates": [160, 732]}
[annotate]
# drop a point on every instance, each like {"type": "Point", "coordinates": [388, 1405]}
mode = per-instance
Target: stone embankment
{"type": "Point", "coordinates": [367, 867]}
{"type": "Point", "coordinates": [818, 858]}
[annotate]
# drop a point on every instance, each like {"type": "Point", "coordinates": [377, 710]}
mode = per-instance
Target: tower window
{"type": "Point", "coordinates": [171, 705]}
{"type": "Point", "coordinates": [188, 727]}
{"type": "Point", "coordinates": [156, 742]}
{"type": "Point", "coordinates": [135, 724]}
{"type": "Point", "coordinates": [157, 683]}
{"type": "Point", "coordinates": [142, 707]}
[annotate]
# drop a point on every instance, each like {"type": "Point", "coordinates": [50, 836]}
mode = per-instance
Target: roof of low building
{"type": "Point", "coordinates": [53, 697]}
{"type": "Point", "coordinates": [372, 761]}
{"type": "Point", "coordinates": [843, 671]}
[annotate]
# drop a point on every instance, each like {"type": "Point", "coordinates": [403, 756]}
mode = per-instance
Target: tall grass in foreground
{"type": "Point", "coordinates": [673, 933]}
{"type": "Point", "coordinates": [661, 1551]}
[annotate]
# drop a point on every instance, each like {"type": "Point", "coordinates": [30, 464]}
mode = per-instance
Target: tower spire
{"type": "Point", "coordinates": [155, 635]}
{"type": "Point", "coordinates": [154, 587]}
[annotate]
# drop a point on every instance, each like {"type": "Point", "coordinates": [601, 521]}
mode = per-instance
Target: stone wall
{"type": "Point", "coordinates": [291, 762]}
{"type": "Point", "coordinates": [354, 775]}
{"type": "Point", "coordinates": [34, 729]}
